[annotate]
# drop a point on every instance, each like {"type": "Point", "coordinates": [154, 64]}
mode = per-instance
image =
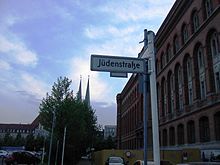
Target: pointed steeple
{"type": "Point", "coordinates": [87, 97]}
{"type": "Point", "coordinates": [79, 93]}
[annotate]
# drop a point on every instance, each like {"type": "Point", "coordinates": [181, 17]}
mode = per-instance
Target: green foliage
{"type": "Point", "coordinates": [30, 142]}
{"type": "Point", "coordinates": [8, 140]}
{"type": "Point", "coordinates": [19, 141]}
{"type": "Point", "coordinates": [79, 119]}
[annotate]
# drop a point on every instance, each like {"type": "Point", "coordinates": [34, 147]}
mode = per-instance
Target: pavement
{"type": "Point", "coordinates": [82, 162]}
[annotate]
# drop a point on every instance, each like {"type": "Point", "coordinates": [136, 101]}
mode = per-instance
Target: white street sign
{"type": "Point", "coordinates": [118, 74]}
{"type": "Point", "coordinates": [117, 64]}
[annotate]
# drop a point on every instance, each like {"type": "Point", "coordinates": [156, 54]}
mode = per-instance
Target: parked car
{"type": "Point", "coordinates": [3, 153]}
{"type": "Point", "coordinates": [22, 157]}
{"type": "Point", "coordinates": [115, 160]}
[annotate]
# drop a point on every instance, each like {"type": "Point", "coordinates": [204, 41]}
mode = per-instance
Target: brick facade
{"type": "Point", "coordinates": [188, 82]}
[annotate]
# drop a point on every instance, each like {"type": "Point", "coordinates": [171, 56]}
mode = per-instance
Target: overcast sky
{"type": "Point", "coordinates": [41, 40]}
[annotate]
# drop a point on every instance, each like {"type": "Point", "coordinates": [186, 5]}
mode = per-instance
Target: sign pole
{"type": "Point", "coordinates": [153, 92]}
{"type": "Point", "coordinates": [145, 98]}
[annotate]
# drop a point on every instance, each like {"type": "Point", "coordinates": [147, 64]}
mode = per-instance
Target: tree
{"type": "Point", "coordinates": [72, 113]}
{"type": "Point", "coordinates": [19, 140]}
{"type": "Point", "coordinates": [8, 140]}
{"type": "Point", "coordinates": [30, 142]}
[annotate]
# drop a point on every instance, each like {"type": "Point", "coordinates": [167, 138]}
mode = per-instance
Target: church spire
{"type": "Point", "coordinates": [79, 93]}
{"type": "Point", "coordinates": [87, 97]}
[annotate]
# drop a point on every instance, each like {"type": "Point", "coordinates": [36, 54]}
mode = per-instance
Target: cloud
{"type": "Point", "coordinates": [33, 86]}
{"type": "Point", "coordinates": [101, 32]}
{"type": "Point", "coordinates": [18, 51]}
{"type": "Point", "coordinates": [130, 10]}
{"type": "Point", "coordinates": [4, 65]}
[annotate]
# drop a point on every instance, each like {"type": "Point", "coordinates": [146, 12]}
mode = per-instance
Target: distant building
{"type": "Point", "coordinates": [34, 128]}
{"type": "Point", "coordinates": [109, 130]}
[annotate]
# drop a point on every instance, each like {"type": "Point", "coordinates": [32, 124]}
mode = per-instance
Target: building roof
{"type": "Point", "coordinates": [31, 126]}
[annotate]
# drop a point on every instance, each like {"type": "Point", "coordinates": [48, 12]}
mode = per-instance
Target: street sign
{"type": "Point", "coordinates": [117, 64]}
{"type": "Point", "coordinates": [117, 74]}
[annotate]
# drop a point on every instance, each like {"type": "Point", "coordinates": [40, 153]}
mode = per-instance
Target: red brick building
{"type": "Point", "coordinates": [130, 124]}
{"type": "Point", "coordinates": [188, 82]}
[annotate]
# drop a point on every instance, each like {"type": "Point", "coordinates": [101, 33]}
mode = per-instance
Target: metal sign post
{"type": "Point", "coordinates": [145, 104]}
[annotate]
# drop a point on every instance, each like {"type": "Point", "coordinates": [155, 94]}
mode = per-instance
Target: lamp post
{"type": "Point", "coordinates": [64, 141]}
{"type": "Point", "coordinates": [51, 138]}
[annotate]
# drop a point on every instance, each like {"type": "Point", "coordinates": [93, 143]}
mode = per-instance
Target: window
{"type": "Point", "coordinates": [195, 22]}
{"type": "Point", "coordinates": [204, 129]}
{"type": "Point", "coordinates": [214, 53]}
{"type": "Point", "coordinates": [172, 136]}
{"type": "Point", "coordinates": [191, 132]}
{"type": "Point", "coordinates": [201, 67]}
{"type": "Point", "coordinates": [217, 81]}
{"type": "Point", "coordinates": [180, 134]}
{"type": "Point", "coordinates": [214, 45]}
{"type": "Point", "coordinates": [208, 8]}
{"type": "Point", "coordinates": [200, 58]}
{"type": "Point", "coordinates": [185, 34]}
{"type": "Point", "coordinates": [189, 80]}
{"type": "Point", "coordinates": [164, 137]}
{"type": "Point", "coordinates": [180, 89]}
{"type": "Point", "coordinates": [157, 66]}
{"type": "Point", "coordinates": [203, 91]}
{"type": "Point", "coordinates": [163, 60]}
{"type": "Point", "coordinates": [189, 69]}
{"type": "Point", "coordinates": [176, 45]}
{"type": "Point", "coordinates": [169, 53]}
{"type": "Point", "coordinates": [190, 94]}
{"type": "Point", "coordinates": [163, 97]}
{"type": "Point", "coordinates": [217, 125]}
{"type": "Point", "coordinates": [170, 93]}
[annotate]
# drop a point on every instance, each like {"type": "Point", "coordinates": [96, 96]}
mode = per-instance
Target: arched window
{"type": "Point", "coordinates": [185, 34]}
{"type": "Point", "coordinates": [208, 7]}
{"type": "Point", "coordinates": [180, 134]}
{"type": "Point", "coordinates": [176, 45]}
{"type": "Point", "coordinates": [165, 137]}
{"type": "Point", "coordinates": [163, 97]}
{"type": "Point", "coordinates": [191, 132]}
{"type": "Point", "coordinates": [180, 81]}
{"type": "Point", "coordinates": [195, 21]}
{"type": "Point", "coordinates": [214, 50]}
{"type": "Point", "coordinates": [172, 136]}
{"type": "Point", "coordinates": [163, 60]}
{"type": "Point", "coordinates": [169, 53]}
{"type": "Point", "coordinates": [178, 88]}
{"type": "Point", "coordinates": [189, 80]}
{"type": "Point", "coordinates": [201, 67]}
{"type": "Point", "coordinates": [214, 44]}
{"type": "Point", "coordinates": [204, 129]}
{"type": "Point", "coordinates": [217, 125]}
{"type": "Point", "coordinates": [157, 66]}
{"type": "Point", "coordinates": [170, 92]}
